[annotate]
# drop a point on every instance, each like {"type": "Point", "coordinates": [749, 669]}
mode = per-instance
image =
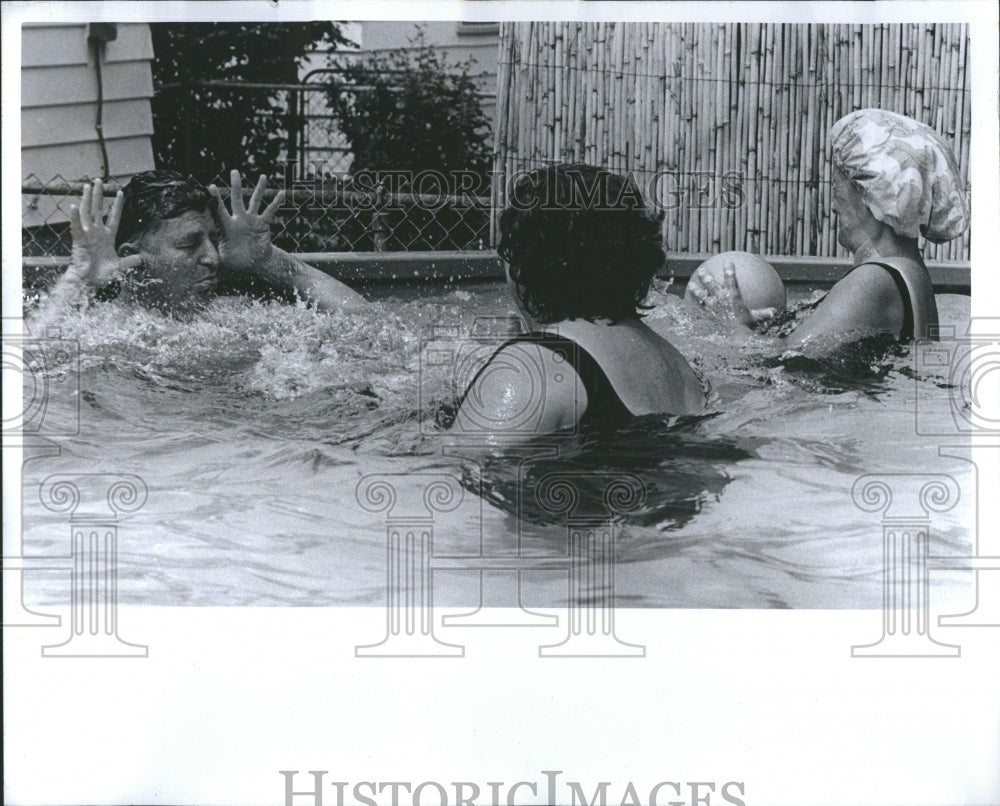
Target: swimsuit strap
{"type": "Point", "coordinates": [904, 293]}
{"type": "Point", "coordinates": [603, 403]}
{"type": "Point", "coordinates": [919, 308]}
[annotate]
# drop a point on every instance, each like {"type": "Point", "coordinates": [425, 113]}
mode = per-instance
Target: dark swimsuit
{"type": "Point", "coordinates": [919, 309]}
{"type": "Point", "coordinates": [603, 404]}
{"type": "Point", "coordinates": [904, 293]}
{"type": "Point", "coordinates": [920, 318]}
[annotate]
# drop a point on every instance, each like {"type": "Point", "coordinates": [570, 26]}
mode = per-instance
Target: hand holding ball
{"type": "Point", "coordinates": [758, 283]}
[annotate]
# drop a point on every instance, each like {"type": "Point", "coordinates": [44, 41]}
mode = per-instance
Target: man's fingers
{"type": "Point", "coordinates": [220, 206]}
{"type": "Point", "coordinates": [130, 262]}
{"type": "Point", "coordinates": [116, 211]}
{"type": "Point", "coordinates": [257, 195]}
{"type": "Point", "coordinates": [236, 195]}
{"type": "Point", "coordinates": [272, 209]}
{"type": "Point", "coordinates": [97, 204]}
{"type": "Point", "coordinates": [75, 228]}
{"type": "Point", "coordinates": [85, 208]}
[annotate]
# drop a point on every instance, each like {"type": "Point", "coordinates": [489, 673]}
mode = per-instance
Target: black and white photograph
{"type": "Point", "coordinates": [501, 403]}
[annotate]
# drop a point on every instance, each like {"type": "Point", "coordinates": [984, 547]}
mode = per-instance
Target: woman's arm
{"type": "Point", "coordinates": [864, 302]}
{"type": "Point", "coordinates": [246, 247]}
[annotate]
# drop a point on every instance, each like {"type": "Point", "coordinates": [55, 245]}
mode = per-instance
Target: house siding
{"type": "Point", "coordinates": [460, 42]}
{"type": "Point", "coordinates": [59, 108]}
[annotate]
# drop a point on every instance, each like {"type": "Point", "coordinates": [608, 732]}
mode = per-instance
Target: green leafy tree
{"type": "Point", "coordinates": [411, 110]}
{"type": "Point", "coordinates": [207, 130]}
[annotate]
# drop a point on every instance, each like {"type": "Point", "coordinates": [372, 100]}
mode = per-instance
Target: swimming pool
{"type": "Point", "coordinates": [256, 427]}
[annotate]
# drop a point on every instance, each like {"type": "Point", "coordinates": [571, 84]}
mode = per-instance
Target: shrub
{"type": "Point", "coordinates": [411, 110]}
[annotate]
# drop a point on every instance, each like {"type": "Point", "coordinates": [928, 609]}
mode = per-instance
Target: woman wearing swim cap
{"type": "Point", "coordinates": [894, 180]}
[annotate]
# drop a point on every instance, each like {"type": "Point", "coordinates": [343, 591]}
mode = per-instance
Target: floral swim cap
{"type": "Point", "coordinates": [905, 171]}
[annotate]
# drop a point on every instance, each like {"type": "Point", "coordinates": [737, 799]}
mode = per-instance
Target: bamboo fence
{"type": "Point", "coordinates": [724, 126]}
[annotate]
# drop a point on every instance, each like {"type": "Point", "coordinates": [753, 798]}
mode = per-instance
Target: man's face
{"type": "Point", "coordinates": [182, 261]}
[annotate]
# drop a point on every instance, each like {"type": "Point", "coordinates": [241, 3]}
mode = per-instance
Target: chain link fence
{"type": "Point", "coordinates": [328, 213]}
{"type": "Point", "coordinates": [326, 209]}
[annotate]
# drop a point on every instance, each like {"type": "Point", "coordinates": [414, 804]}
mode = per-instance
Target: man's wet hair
{"type": "Point", "coordinates": [152, 196]}
{"type": "Point", "coordinates": [579, 243]}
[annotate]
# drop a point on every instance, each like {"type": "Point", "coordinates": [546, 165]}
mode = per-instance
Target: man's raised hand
{"type": "Point", "coordinates": [246, 234]}
{"type": "Point", "coordinates": [94, 258]}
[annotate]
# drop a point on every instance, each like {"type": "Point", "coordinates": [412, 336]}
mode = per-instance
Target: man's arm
{"type": "Point", "coordinates": [246, 247]}
{"type": "Point", "coordinates": [288, 273]}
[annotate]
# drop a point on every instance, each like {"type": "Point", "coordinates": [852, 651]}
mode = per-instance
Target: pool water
{"type": "Point", "coordinates": [253, 424]}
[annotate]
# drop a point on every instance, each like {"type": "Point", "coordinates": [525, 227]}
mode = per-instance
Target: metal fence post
{"type": "Point", "coordinates": [380, 227]}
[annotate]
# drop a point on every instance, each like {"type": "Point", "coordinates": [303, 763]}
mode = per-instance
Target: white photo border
{"type": "Point", "coordinates": [773, 700]}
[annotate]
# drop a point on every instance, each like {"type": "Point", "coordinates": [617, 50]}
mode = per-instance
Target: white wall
{"type": "Point", "coordinates": [59, 107]}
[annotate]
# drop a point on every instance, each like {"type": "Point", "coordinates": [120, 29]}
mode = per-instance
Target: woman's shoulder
{"type": "Point", "coordinates": [880, 283]}
{"type": "Point", "coordinates": [872, 275]}
{"type": "Point", "coordinates": [906, 279]}
{"type": "Point", "coordinates": [891, 263]}
{"type": "Point", "coordinates": [526, 385]}
{"type": "Point", "coordinates": [642, 368]}
{"type": "Point", "coordinates": [865, 301]}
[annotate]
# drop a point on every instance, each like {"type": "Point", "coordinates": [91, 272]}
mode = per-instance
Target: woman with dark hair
{"type": "Point", "coordinates": [581, 251]}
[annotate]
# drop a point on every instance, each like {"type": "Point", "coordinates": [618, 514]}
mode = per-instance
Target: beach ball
{"type": "Point", "coordinates": [759, 283]}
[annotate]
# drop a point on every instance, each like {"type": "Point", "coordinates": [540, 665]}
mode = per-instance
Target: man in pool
{"type": "Point", "coordinates": [167, 239]}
